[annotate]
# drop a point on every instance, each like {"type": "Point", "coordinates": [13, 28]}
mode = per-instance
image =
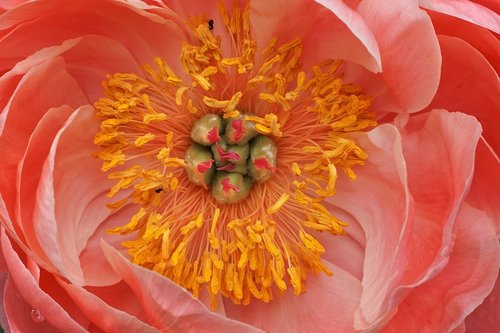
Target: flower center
{"type": "Point", "coordinates": [230, 162]}
{"type": "Point", "coordinates": [229, 156]}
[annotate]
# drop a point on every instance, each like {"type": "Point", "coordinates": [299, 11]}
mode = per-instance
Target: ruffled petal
{"type": "Point", "coordinates": [29, 172]}
{"type": "Point", "coordinates": [19, 312]}
{"type": "Point", "coordinates": [463, 284]}
{"type": "Point", "coordinates": [332, 30]}
{"type": "Point", "coordinates": [411, 60]}
{"type": "Point", "coordinates": [68, 212]}
{"type": "Point", "coordinates": [466, 10]}
{"type": "Point", "coordinates": [478, 37]}
{"type": "Point", "coordinates": [328, 305]}
{"type": "Point", "coordinates": [168, 306]}
{"type": "Point", "coordinates": [485, 317]}
{"type": "Point", "coordinates": [29, 89]}
{"type": "Point", "coordinates": [107, 317]}
{"type": "Point", "coordinates": [469, 84]}
{"type": "Point", "coordinates": [36, 25]}
{"type": "Point", "coordinates": [485, 186]}
{"type": "Point", "coordinates": [379, 200]}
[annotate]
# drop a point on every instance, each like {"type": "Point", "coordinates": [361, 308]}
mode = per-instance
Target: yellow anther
{"type": "Point", "coordinates": [179, 93]}
{"type": "Point", "coordinates": [191, 107]}
{"type": "Point", "coordinates": [295, 279]}
{"type": "Point", "coordinates": [243, 259]}
{"type": "Point", "coordinates": [165, 244]}
{"type": "Point", "coordinates": [143, 139]}
{"type": "Point", "coordinates": [215, 218]}
{"type": "Point", "coordinates": [201, 80]}
{"type": "Point", "coordinates": [231, 61]}
{"type": "Point", "coordinates": [277, 206]}
{"type": "Point", "coordinates": [310, 242]}
{"type": "Point", "coordinates": [214, 103]}
{"type": "Point", "coordinates": [266, 67]}
{"type": "Point", "coordinates": [207, 267]}
{"type": "Point", "coordinates": [178, 253]}
{"type": "Point", "coordinates": [134, 222]}
{"type": "Point", "coordinates": [296, 169]}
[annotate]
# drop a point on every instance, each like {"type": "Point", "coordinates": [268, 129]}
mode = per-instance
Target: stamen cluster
{"type": "Point", "coordinates": [266, 243]}
{"type": "Point", "coordinates": [229, 156]}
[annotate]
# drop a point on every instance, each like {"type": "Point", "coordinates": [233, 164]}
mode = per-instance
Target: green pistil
{"type": "Point", "coordinates": [262, 162]}
{"type": "Point", "coordinates": [229, 156]}
{"type": "Point", "coordinates": [239, 131]}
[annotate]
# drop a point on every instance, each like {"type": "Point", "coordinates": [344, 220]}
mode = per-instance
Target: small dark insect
{"type": "Point", "coordinates": [211, 24]}
{"type": "Point", "coordinates": [159, 190]}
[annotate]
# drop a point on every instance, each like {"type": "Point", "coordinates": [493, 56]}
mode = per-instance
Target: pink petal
{"type": "Point", "coordinates": [486, 183]}
{"type": "Point", "coordinates": [478, 37]}
{"type": "Point", "coordinates": [485, 317]}
{"type": "Point", "coordinates": [439, 152]}
{"type": "Point", "coordinates": [34, 92]}
{"type": "Point", "coordinates": [29, 171]}
{"type": "Point", "coordinates": [19, 312]}
{"type": "Point", "coordinates": [466, 280]}
{"type": "Point", "coordinates": [64, 228]}
{"type": "Point", "coordinates": [107, 317]}
{"type": "Point", "coordinates": [88, 60]}
{"type": "Point", "coordinates": [411, 59]}
{"type": "Point", "coordinates": [9, 4]}
{"type": "Point", "coordinates": [332, 30]}
{"type": "Point", "coordinates": [95, 267]}
{"type": "Point", "coordinates": [469, 85]}
{"type": "Point", "coordinates": [168, 306]}
{"type": "Point", "coordinates": [36, 25]}
{"type": "Point", "coordinates": [380, 202]}
{"type": "Point", "coordinates": [328, 305]}
{"type": "Point", "coordinates": [466, 10]}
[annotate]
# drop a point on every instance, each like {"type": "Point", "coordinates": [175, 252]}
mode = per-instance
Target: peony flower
{"type": "Point", "coordinates": [184, 166]}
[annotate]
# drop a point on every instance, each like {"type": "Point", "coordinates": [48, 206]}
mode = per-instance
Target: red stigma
{"type": "Point", "coordinates": [225, 155]}
{"type": "Point", "coordinates": [263, 163]}
{"type": "Point", "coordinates": [204, 166]}
{"type": "Point", "coordinates": [213, 135]}
{"type": "Point", "coordinates": [226, 185]}
{"type": "Point", "coordinates": [239, 129]}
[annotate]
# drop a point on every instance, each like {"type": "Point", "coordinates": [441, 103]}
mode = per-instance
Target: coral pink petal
{"type": "Point", "coordinates": [95, 267]}
{"type": "Point", "coordinates": [467, 279]}
{"type": "Point", "coordinates": [29, 291]}
{"type": "Point", "coordinates": [486, 183]}
{"type": "Point", "coordinates": [64, 229]}
{"type": "Point", "coordinates": [411, 59]}
{"type": "Point", "coordinates": [168, 306]}
{"type": "Point", "coordinates": [380, 202]}
{"type": "Point", "coordinates": [88, 60]}
{"type": "Point", "coordinates": [328, 305]}
{"type": "Point", "coordinates": [437, 139]}
{"type": "Point", "coordinates": [469, 84]}
{"type": "Point", "coordinates": [29, 170]}
{"type": "Point", "coordinates": [36, 25]}
{"type": "Point", "coordinates": [9, 4]}
{"type": "Point", "coordinates": [466, 10]}
{"type": "Point", "coordinates": [33, 92]}
{"type": "Point", "coordinates": [332, 30]}
{"type": "Point", "coordinates": [485, 317]}
{"type": "Point", "coordinates": [19, 313]}
{"type": "Point", "coordinates": [107, 317]}
{"type": "Point", "coordinates": [478, 37]}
